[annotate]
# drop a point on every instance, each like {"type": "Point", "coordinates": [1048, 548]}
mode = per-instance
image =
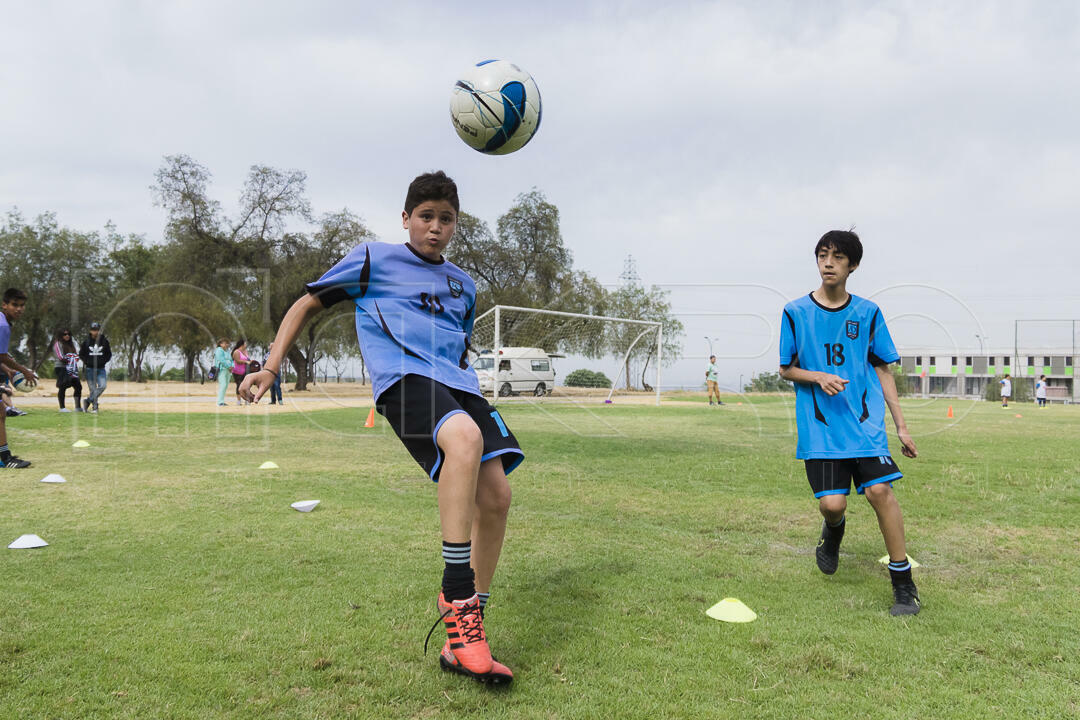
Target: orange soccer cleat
{"type": "Point", "coordinates": [466, 642]}
{"type": "Point", "coordinates": [499, 675]}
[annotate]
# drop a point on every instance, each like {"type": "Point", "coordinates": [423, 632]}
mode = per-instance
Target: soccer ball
{"type": "Point", "coordinates": [495, 107]}
{"type": "Point", "coordinates": [18, 381]}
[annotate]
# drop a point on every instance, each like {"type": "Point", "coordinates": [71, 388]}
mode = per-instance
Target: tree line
{"type": "Point", "coordinates": [212, 275]}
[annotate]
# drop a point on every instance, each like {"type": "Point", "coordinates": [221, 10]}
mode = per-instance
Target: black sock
{"type": "Point", "coordinates": [5, 454]}
{"type": "Point", "coordinates": [459, 581]}
{"type": "Point", "coordinates": [900, 571]}
{"type": "Point", "coordinates": [836, 532]}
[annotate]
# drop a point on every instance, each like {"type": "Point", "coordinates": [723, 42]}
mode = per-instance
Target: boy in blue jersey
{"type": "Point", "coordinates": [13, 305]}
{"type": "Point", "coordinates": [836, 348]}
{"type": "Point", "coordinates": [414, 317]}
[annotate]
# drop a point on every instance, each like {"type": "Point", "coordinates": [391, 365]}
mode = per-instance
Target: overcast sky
{"type": "Point", "coordinates": [715, 142]}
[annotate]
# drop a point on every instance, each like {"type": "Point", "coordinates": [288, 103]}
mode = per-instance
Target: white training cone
{"type": "Point", "coordinates": [53, 478]}
{"type": "Point", "coordinates": [304, 505]}
{"type": "Point", "coordinates": [80, 443]}
{"type": "Point", "coordinates": [884, 560]}
{"type": "Point", "coordinates": [27, 541]}
{"type": "Point", "coordinates": [269, 465]}
{"type": "Point", "coordinates": [731, 610]}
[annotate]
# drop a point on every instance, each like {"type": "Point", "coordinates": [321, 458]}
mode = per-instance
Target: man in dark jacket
{"type": "Point", "coordinates": [95, 353]}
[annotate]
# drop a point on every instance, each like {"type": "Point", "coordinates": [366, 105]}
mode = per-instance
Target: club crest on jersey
{"type": "Point", "coordinates": [852, 329]}
{"type": "Point", "coordinates": [456, 287]}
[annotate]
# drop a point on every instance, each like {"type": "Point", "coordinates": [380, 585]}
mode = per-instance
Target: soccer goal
{"type": "Point", "coordinates": [528, 351]}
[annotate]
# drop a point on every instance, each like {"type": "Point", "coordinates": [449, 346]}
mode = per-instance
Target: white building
{"type": "Point", "coordinates": [948, 374]}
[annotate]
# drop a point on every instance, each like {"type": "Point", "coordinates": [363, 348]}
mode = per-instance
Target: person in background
{"type": "Point", "coordinates": [222, 368]}
{"type": "Point", "coordinates": [1006, 390]}
{"type": "Point", "coordinates": [95, 354]}
{"type": "Point", "coordinates": [711, 381]}
{"type": "Point", "coordinates": [239, 367]}
{"type": "Point", "coordinates": [1040, 391]}
{"type": "Point", "coordinates": [66, 360]}
{"type": "Point", "coordinates": [275, 389]}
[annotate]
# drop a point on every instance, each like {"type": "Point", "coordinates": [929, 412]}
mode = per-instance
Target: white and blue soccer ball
{"type": "Point", "coordinates": [18, 381]}
{"type": "Point", "coordinates": [495, 107]}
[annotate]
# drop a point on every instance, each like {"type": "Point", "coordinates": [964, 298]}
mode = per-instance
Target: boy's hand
{"type": "Point", "coordinates": [261, 382]}
{"type": "Point", "coordinates": [831, 384]}
{"type": "Point", "coordinates": [908, 449]}
{"type": "Point", "coordinates": [29, 377]}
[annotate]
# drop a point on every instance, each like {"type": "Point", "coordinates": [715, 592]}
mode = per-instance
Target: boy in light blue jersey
{"type": "Point", "coordinates": [414, 317]}
{"type": "Point", "coordinates": [836, 348]}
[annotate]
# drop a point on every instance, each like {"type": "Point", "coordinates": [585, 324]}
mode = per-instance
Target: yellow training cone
{"type": "Point", "coordinates": [885, 561]}
{"type": "Point", "coordinates": [80, 443]}
{"type": "Point", "coordinates": [731, 610]}
{"type": "Point", "coordinates": [269, 465]}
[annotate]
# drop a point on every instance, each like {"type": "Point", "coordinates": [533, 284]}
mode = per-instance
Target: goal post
{"type": "Point", "coordinates": [626, 353]}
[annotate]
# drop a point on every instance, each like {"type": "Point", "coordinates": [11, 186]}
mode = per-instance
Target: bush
{"type": "Point", "coordinates": [1022, 389]}
{"type": "Point", "coordinates": [769, 382]}
{"type": "Point", "coordinates": [587, 378]}
{"type": "Point", "coordinates": [903, 387]}
{"type": "Point", "coordinates": [119, 374]}
{"type": "Point", "coordinates": [173, 374]}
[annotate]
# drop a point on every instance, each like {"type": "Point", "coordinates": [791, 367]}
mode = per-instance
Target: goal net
{"type": "Point", "coordinates": [547, 353]}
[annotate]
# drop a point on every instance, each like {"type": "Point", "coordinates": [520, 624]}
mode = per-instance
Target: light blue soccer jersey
{"type": "Point", "coordinates": [5, 333]}
{"type": "Point", "coordinates": [413, 315]}
{"type": "Point", "coordinates": [847, 341]}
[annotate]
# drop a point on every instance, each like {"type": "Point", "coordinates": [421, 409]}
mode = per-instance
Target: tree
{"type": "Point", "coordinates": [130, 265]}
{"type": "Point", "coordinates": [528, 265]}
{"type": "Point", "coordinates": [632, 300]}
{"type": "Point", "coordinates": [768, 382]}
{"type": "Point", "coordinates": [250, 270]}
{"type": "Point", "coordinates": [47, 261]}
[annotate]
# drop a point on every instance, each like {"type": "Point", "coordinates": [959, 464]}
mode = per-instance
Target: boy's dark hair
{"type": "Point", "coordinates": [842, 241]}
{"type": "Point", "coordinates": [431, 186]}
{"type": "Point", "coordinates": [13, 294]}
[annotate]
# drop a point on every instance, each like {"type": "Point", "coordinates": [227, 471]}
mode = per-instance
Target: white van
{"type": "Point", "coordinates": [521, 370]}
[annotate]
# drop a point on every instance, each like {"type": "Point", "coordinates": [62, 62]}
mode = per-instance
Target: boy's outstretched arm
{"type": "Point", "coordinates": [830, 384]}
{"type": "Point", "coordinates": [294, 321]}
{"type": "Point", "coordinates": [10, 362]}
{"type": "Point", "coordinates": [888, 389]}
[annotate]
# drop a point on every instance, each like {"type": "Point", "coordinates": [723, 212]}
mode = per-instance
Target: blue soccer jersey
{"type": "Point", "coordinates": [413, 315]}
{"type": "Point", "coordinates": [847, 341]}
{"type": "Point", "coordinates": [5, 333]}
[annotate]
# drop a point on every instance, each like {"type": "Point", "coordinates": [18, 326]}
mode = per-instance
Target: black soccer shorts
{"type": "Point", "coordinates": [417, 406]}
{"type": "Point", "coordinates": [834, 477]}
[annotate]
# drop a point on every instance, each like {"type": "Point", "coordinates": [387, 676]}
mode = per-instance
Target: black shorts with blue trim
{"type": "Point", "coordinates": [835, 476]}
{"type": "Point", "coordinates": [417, 406]}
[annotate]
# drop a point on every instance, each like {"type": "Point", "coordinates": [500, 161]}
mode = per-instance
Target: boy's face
{"type": "Point", "coordinates": [834, 267]}
{"type": "Point", "coordinates": [430, 227]}
{"type": "Point", "coordinates": [14, 309]}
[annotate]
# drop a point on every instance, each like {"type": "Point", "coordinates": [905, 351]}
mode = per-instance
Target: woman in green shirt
{"type": "Point", "coordinates": [223, 365]}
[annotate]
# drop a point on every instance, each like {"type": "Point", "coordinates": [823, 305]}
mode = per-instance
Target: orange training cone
{"type": "Point", "coordinates": [949, 414]}
{"type": "Point", "coordinates": [370, 419]}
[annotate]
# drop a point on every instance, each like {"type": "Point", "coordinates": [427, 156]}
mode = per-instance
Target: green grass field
{"type": "Point", "coordinates": [179, 584]}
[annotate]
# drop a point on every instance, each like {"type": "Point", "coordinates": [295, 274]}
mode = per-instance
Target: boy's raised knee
{"type": "Point", "coordinates": [833, 506]}
{"type": "Point", "coordinates": [460, 437]}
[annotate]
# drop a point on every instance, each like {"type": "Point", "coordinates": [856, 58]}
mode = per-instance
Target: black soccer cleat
{"type": "Point", "coordinates": [905, 599]}
{"type": "Point", "coordinates": [14, 462]}
{"type": "Point", "coordinates": [828, 549]}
